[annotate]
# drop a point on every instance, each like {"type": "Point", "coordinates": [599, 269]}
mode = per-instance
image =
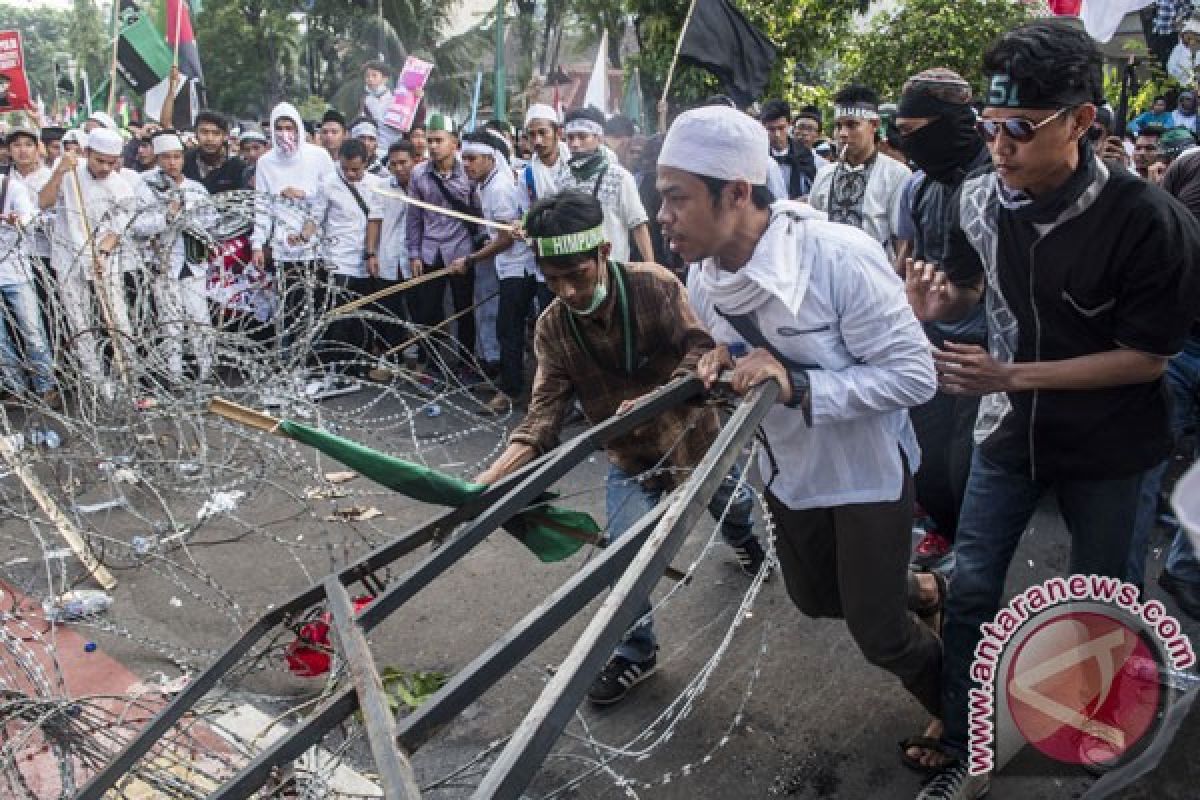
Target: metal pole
{"type": "Point", "coordinates": [499, 111]}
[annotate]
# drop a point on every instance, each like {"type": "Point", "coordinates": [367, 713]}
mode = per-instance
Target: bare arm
{"type": "Point", "coordinates": [933, 297]}
{"type": "Point", "coordinates": [971, 370]}
{"type": "Point", "coordinates": [641, 238]}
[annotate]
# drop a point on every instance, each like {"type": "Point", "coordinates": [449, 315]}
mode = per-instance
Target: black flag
{"type": "Point", "coordinates": [721, 40]}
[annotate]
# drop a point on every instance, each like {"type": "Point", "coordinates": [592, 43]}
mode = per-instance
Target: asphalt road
{"type": "Point", "coordinates": [791, 710]}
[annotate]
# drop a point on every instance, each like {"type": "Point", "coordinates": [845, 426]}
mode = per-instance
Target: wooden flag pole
{"type": "Point", "coordinates": [167, 115]}
{"type": "Point", "coordinates": [112, 73]}
{"type": "Point", "coordinates": [662, 102]}
{"type": "Point", "coordinates": [246, 416]}
{"type": "Point", "coordinates": [367, 300]}
{"type": "Point", "coordinates": [412, 201]}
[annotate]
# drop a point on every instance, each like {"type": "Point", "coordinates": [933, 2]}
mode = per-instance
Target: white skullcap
{"type": "Point", "coordinates": [541, 111]}
{"type": "Point", "coordinates": [167, 142]}
{"type": "Point", "coordinates": [104, 119]}
{"type": "Point", "coordinates": [365, 129]}
{"type": "Point", "coordinates": [74, 135]}
{"type": "Point", "coordinates": [718, 142]}
{"type": "Point", "coordinates": [1191, 26]}
{"type": "Point", "coordinates": [105, 142]}
{"type": "Point", "coordinates": [252, 135]}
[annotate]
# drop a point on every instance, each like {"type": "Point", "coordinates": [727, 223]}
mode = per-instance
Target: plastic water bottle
{"type": "Point", "coordinates": [78, 604]}
{"type": "Point", "coordinates": [433, 410]}
{"type": "Point", "coordinates": [142, 544]}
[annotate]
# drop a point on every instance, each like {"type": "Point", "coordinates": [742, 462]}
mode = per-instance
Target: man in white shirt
{"type": "Point", "coordinates": [94, 207]}
{"type": "Point", "coordinates": [170, 208]}
{"type": "Point", "coordinates": [32, 354]}
{"type": "Point", "coordinates": [861, 188]}
{"type": "Point", "coordinates": [547, 169]}
{"type": "Point", "coordinates": [350, 224]}
{"type": "Point", "coordinates": [817, 307]}
{"type": "Point", "coordinates": [290, 173]}
{"type": "Point", "coordinates": [594, 172]}
{"type": "Point", "coordinates": [485, 157]}
{"type": "Point", "coordinates": [28, 168]}
{"type": "Point", "coordinates": [392, 252]}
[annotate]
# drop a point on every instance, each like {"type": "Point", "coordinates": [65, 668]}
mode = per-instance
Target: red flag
{"type": "Point", "coordinates": [14, 86]}
{"type": "Point", "coordinates": [177, 19]}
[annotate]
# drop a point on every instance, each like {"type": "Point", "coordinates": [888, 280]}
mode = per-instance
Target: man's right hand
{"type": "Point", "coordinates": [516, 456]}
{"type": "Point", "coordinates": [292, 193]}
{"type": "Point", "coordinates": [712, 364]}
{"type": "Point", "coordinates": [66, 163]}
{"type": "Point", "coordinates": [929, 292]}
{"type": "Point", "coordinates": [259, 259]}
{"type": "Point", "coordinates": [417, 266]}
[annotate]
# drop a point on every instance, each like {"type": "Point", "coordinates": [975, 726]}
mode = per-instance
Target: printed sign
{"type": "Point", "coordinates": [14, 87]}
{"type": "Point", "coordinates": [408, 94]}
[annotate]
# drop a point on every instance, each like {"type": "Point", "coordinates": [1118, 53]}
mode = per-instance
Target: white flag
{"type": "Point", "coordinates": [1101, 18]}
{"type": "Point", "coordinates": [597, 88]}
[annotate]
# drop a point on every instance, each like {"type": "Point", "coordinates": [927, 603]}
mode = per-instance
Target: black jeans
{"type": "Point", "coordinates": [393, 329]}
{"type": "Point", "coordinates": [516, 304]}
{"type": "Point", "coordinates": [303, 292]}
{"type": "Point", "coordinates": [345, 340]}
{"type": "Point", "coordinates": [425, 305]}
{"type": "Point", "coordinates": [945, 428]}
{"type": "Point", "coordinates": [851, 562]}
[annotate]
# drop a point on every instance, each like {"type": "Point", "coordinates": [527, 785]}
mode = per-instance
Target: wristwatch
{"type": "Point", "coordinates": [801, 394]}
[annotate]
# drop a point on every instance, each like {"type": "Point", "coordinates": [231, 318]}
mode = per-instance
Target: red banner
{"type": "Point", "coordinates": [14, 87]}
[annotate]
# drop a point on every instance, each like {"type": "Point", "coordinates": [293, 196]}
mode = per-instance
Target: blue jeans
{"type": "Point", "coordinates": [25, 317]}
{"type": "Point", "coordinates": [626, 501]}
{"type": "Point", "coordinates": [996, 510]}
{"type": "Point", "coordinates": [1183, 384]}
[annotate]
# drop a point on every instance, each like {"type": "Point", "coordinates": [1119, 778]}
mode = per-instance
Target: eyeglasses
{"type": "Point", "coordinates": [1018, 129]}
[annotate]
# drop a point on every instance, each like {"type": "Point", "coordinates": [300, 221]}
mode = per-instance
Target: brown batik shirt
{"type": "Point", "coordinates": [669, 340]}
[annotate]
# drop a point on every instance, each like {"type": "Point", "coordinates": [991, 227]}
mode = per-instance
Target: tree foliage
{"type": "Point", "coordinates": [929, 33]}
{"type": "Point", "coordinates": [89, 36]}
{"type": "Point", "coordinates": [43, 35]}
{"type": "Point", "coordinates": [252, 54]}
{"type": "Point", "coordinates": [808, 35]}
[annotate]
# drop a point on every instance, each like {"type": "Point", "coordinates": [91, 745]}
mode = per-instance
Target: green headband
{"type": "Point", "coordinates": [568, 244]}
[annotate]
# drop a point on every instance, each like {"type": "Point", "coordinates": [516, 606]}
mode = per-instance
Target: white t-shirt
{"type": "Point", "coordinates": [39, 241]}
{"type": "Point", "coordinates": [393, 234]}
{"type": "Point", "coordinates": [14, 255]}
{"type": "Point", "coordinates": [502, 202]}
{"type": "Point", "coordinates": [342, 223]}
{"type": "Point", "coordinates": [623, 210]}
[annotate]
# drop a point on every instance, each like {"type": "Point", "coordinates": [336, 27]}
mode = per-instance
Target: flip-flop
{"type": "Point", "coordinates": [926, 743]}
{"type": "Point", "coordinates": [931, 614]}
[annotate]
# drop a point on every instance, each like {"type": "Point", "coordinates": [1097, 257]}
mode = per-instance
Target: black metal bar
{"type": "Point", "coordinates": [529, 483]}
{"type": "Point", "coordinates": [526, 636]}
{"type": "Point", "coordinates": [382, 556]}
{"type": "Point", "coordinates": [540, 729]}
{"type": "Point", "coordinates": [395, 773]}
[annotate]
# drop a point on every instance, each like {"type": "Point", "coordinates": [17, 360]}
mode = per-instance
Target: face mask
{"type": "Point", "coordinates": [599, 295]}
{"type": "Point", "coordinates": [944, 147]}
{"type": "Point", "coordinates": [286, 142]}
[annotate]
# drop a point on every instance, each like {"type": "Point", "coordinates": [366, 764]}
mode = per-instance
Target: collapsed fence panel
{"type": "Point", "coordinates": [488, 511]}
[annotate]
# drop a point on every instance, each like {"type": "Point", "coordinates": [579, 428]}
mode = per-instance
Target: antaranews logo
{"type": "Point", "coordinates": [1073, 666]}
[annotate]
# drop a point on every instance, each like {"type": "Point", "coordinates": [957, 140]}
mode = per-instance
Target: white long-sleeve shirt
{"type": "Point", "coordinates": [108, 207]}
{"type": "Point", "coordinates": [342, 221]}
{"type": "Point", "coordinates": [155, 192]}
{"type": "Point", "coordinates": [39, 241]}
{"type": "Point", "coordinates": [867, 359]}
{"type": "Point", "coordinates": [393, 232]}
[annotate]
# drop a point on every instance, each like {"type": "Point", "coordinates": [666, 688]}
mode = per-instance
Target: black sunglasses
{"type": "Point", "coordinates": [1018, 129]}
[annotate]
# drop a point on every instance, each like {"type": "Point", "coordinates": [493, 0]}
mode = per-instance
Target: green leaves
{"type": "Point", "coordinates": [928, 33]}
{"type": "Point", "coordinates": [410, 689]}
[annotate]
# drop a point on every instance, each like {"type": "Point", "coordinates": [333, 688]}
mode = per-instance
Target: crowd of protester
{"type": "Point", "coordinates": [968, 301]}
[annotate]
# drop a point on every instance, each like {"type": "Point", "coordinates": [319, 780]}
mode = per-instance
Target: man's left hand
{"type": "Point", "coordinates": [458, 266]}
{"type": "Point", "coordinates": [971, 370]}
{"type": "Point", "coordinates": [759, 366]}
{"type": "Point", "coordinates": [373, 266]}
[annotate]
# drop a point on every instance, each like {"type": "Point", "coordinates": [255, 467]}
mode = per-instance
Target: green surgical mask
{"type": "Point", "coordinates": [599, 295]}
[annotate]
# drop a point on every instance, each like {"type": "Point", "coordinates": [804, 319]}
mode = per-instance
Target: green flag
{"type": "Point", "coordinates": [633, 100]}
{"type": "Point", "coordinates": [539, 527]}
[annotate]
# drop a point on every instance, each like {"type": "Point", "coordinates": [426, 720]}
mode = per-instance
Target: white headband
{"type": "Point", "coordinates": [364, 129]}
{"type": "Point", "coordinates": [480, 149]}
{"type": "Point", "coordinates": [584, 126]}
{"type": "Point", "coordinates": [540, 111]}
{"type": "Point", "coordinates": [167, 143]}
{"type": "Point", "coordinates": [860, 110]}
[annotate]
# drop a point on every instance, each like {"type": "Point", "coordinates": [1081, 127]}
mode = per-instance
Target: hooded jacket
{"type": "Point", "coordinates": [276, 171]}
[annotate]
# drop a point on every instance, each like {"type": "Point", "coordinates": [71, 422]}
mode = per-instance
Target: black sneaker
{"type": "Point", "coordinates": [618, 677]}
{"type": "Point", "coordinates": [954, 782]}
{"type": "Point", "coordinates": [750, 556]}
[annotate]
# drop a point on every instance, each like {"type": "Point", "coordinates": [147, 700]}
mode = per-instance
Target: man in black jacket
{"type": "Point", "coordinates": [795, 159]}
{"type": "Point", "coordinates": [210, 163]}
